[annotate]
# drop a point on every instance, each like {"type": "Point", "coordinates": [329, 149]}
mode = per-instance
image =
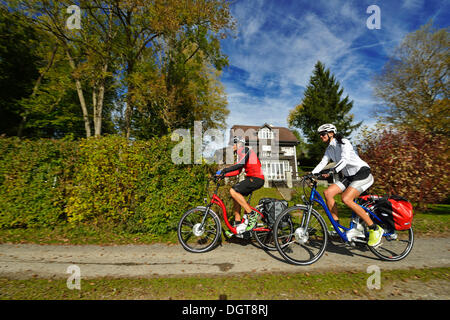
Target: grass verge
{"type": "Point", "coordinates": [395, 284]}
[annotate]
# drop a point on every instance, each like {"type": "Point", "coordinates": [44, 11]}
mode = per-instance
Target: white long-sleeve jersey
{"type": "Point", "coordinates": [345, 157]}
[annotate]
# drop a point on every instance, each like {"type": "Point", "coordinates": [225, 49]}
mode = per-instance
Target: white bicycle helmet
{"type": "Point", "coordinates": [327, 127]}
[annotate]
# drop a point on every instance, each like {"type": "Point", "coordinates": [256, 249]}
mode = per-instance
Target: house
{"type": "Point", "coordinates": [275, 147]}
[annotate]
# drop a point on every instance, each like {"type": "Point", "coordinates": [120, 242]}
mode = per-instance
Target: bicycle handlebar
{"type": "Point", "coordinates": [311, 176]}
{"type": "Point", "coordinates": [216, 178]}
{"type": "Point", "coordinates": [315, 176]}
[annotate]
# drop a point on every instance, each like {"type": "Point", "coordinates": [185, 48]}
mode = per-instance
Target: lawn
{"type": "Point", "coordinates": [395, 284]}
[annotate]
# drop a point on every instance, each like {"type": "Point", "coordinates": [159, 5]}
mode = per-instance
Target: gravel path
{"type": "Point", "coordinates": [22, 261]}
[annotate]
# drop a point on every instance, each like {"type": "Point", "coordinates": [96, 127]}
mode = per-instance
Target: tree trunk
{"type": "Point", "coordinates": [128, 113]}
{"type": "Point", "coordinates": [129, 109]}
{"type": "Point", "coordinates": [98, 103]}
{"type": "Point", "coordinates": [80, 96]}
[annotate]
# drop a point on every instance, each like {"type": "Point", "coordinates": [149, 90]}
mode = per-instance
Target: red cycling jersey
{"type": "Point", "coordinates": [248, 160]}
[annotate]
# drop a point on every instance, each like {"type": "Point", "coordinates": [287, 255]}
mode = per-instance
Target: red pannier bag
{"type": "Point", "coordinates": [395, 211]}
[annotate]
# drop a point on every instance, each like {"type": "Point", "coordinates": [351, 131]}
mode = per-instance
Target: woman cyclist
{"type": "Point", "coordinates": [356, 178]}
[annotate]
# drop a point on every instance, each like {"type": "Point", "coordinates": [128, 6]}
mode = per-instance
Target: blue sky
{"type": "Point", "coordinates": [277, 44]}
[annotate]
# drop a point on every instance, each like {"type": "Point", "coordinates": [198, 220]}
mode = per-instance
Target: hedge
{"type": "Point", "coordinates": [410, 163]}
{"type": "Point", "coordinates": [106, 181]}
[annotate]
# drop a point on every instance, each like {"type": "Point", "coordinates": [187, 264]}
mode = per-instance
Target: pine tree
{"type": "Point", "coordinates": [322, 103]}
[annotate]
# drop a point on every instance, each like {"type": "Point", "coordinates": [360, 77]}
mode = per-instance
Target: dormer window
{"type": "Point", "coordinates": [265, 133]}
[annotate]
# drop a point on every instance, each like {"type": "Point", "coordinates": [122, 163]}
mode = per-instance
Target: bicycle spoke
{"type": "Point", "coordinates": [397, 249]}
{"type": "Point", "coordinates": [196, 239]}
{"type": "Point", "coordinates": [300, 245]}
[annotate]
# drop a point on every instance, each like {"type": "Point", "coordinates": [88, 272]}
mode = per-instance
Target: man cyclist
{"type": "Point", "coordinates": [254, 179]}
{"type": "Point", "coordinates": [356, 178]}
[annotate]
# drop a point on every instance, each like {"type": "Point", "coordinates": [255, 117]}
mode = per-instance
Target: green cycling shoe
{"type": "Point", "coordinates": [375, 236]}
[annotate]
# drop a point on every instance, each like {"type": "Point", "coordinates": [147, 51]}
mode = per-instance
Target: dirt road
{"type": "Point", "coordinates": [22, 261]}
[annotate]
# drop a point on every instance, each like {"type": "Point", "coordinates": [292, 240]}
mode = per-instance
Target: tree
{"type": "Point", "coordinates": [414, 82]}
{"type": "Point", "coordinates": [88, 50]}
{"type": "Point", "coordinates": [160, 41]}
{"type": "Point", "coordinates": [153, 57]}
{"type": "Point", "coordinates": [196, 96]}
{"type": "Point", "coordinates": [302, 147]}
{"type": "Point", "coordinates": [53, 108]}
{"type": "Point", "coordinates": [18, 68]}
{"type": "Point", "coordinates": [322, 103]}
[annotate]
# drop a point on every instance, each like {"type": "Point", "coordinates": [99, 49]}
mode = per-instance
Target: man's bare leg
{"type": "Point", "coordinates": [239, 198]}
{"type": "Point", "coordinates": [237, 211]}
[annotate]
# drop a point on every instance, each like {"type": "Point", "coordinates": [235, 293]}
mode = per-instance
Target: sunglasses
{"type": "Point", "coordinates": [323, 133]}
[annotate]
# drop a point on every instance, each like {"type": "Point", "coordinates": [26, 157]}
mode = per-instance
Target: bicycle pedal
{"type": "Point", "coordinates": [229, 234]}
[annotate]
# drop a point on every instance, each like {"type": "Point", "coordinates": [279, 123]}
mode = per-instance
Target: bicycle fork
{"type": "Point", "coordinates": [301, 233]}
{"type": "Point", "coordinates": [205, 215]}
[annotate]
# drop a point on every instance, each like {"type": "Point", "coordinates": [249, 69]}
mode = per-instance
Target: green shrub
{"type": "Point", "coordinates": [133, 184]}
{"type": "Point", "coordinates": [32, 181]}
{"type": "Point", "coordinates": [107, 181]}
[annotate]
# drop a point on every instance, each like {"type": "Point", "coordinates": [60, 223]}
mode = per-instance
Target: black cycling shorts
{"type": "Point", "coordinates": [248, 185]}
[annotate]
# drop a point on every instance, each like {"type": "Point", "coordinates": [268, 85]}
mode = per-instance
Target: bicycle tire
{"type": "Point", "coordinates": [265, 238]}
{"type": "Point", "coordinates": [204, 239]}
{"type": "Point", "coordinates": [383, 247]}
{"type": "Point", "coordinates": [317, 236]}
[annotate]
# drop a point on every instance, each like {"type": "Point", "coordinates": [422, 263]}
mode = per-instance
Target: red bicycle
{"type": "Point", "coordinates": [200, 228]}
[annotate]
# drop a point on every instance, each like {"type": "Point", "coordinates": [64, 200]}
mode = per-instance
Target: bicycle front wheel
{"type": "Point", "coordinates": [195, 237]}
{"type": "Point", "coordinates": [297, 243]}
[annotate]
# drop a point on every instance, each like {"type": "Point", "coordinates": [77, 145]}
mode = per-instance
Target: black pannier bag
{"type": "Point", "coordinates": [272, 208]}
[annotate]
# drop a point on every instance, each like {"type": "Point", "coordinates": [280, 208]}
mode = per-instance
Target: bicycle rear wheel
{"type": "Point", "coordinates": [297, 244]}
{"type": "Point", "coordinates": [195, 238]}
{"type": "Point", "coordinates": [395, 247]}
{"type": "Point", "coordinates": [263, 233]}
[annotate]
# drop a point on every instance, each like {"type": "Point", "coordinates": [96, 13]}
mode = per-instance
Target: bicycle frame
{"type": "Point", "coordinates": [316, 197]}
{"type": "Point", "coordinates": [216, 200]}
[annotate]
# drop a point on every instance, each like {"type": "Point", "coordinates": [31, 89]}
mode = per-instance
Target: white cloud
{"type": "Point", "coordinates": [290, 56]}
{"type": "Point", "coordinates": [278, 45]}
{"type": "Point", "coordinates": [413, 4]}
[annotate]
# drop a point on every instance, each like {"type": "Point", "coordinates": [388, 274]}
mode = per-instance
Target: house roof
{"type": "Point", "coordinates": [285, 135]}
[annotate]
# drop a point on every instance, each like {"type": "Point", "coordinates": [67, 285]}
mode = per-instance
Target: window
{"type": "Point", "coordinates": [288, 151]}
{"type": "Point", "coordinates": [265, 133]}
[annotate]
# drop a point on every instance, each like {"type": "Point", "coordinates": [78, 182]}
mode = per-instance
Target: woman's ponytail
{"type": "Point", "coordinates": [339, 137]}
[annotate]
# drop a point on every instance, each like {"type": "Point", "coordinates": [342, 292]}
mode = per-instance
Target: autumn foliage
{"type": "Point", "coordinates": [413, 164]}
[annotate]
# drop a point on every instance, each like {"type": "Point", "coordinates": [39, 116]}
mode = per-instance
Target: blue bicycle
{"type": "Point", "coordinates": [303, 241]}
